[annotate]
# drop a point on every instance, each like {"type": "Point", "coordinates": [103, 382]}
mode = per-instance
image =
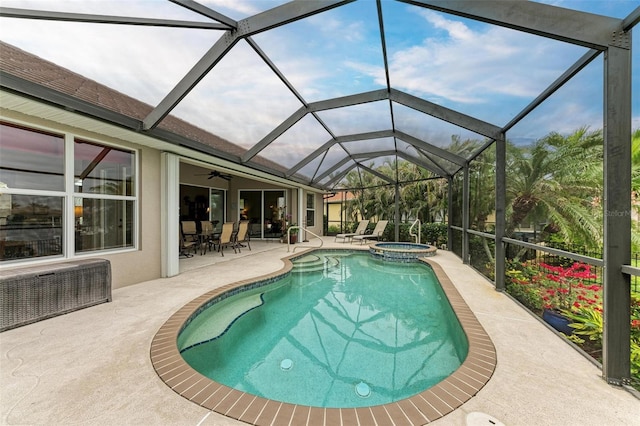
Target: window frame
{"type": "Point", "coordinates": [102, 196]}
{"type": "Point", "coordinates": [68, 196]}
{"type": "Point", "coordinates": [311, 211]}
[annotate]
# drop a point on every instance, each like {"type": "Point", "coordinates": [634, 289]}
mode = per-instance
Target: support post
{"type": "Point", "coordinates": [500, 206]}
{"type": "Point", "coordinates": [169, 214]}
{"type": "Point", "coordinates": [449, 213]}
{"type": "Point", "coordinates": [397, 213]}
{"type": "Point", "coordinates": [617, 214]}
{"type": "Point", "coordinates": [301, 211]}
{"type": "Point", "coordinates": [465, 214]}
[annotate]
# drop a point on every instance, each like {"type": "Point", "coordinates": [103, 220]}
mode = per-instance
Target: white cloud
{"type": "Point", "coordinates": [470, 66]}
{"type": "Point", "coordinates": [338, 31]}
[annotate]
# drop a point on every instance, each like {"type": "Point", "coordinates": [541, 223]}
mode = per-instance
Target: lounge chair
{"type": "Point", "coordinates": [375, 235]}
{"type": "Point", "coordinates": [362, 227]}
{"type": "Point", "coordinates": [243, 234]}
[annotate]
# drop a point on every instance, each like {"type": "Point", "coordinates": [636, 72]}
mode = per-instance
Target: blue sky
{"type": "Point", "coordinates": [485, 71]}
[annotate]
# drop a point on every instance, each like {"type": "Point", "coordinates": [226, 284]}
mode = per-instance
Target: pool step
{"type": "Point", "coordinates": [225, 315]}
{"type": "Point", "coordinates": [315, 263]}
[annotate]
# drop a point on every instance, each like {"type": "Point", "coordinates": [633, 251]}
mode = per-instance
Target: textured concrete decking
{"type": "Point", "coordinates": [92, 367]}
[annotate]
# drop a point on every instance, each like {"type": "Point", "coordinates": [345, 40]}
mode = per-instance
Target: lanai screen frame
{"type": "Point", "coordinates": [602, 35]}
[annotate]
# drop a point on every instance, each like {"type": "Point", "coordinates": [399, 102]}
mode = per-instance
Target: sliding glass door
{"type": "Point", "coordinates": [200, 203]}
{"type": "Point", "coordinates": [265, 210]}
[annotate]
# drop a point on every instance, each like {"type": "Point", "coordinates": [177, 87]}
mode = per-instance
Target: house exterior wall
{"type": "Point", "coordinates": [337, 216]}
{"type": "Point", "coordinates": [128, 266]}
{"type": "Point", "coordinates": [142, 263]}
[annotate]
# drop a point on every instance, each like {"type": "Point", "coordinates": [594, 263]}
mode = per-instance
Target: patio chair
{"type": "Point", "coordinates": [189, 230]}
{"type": "Point", "coordinates": [375, 235]}
{"type": "Point", "coordinates": [243, 236]}
{"type": "Point", "coordinates": [227, 238]}
{"type": "Point", "coordinates": [206, 235]}
{"type": "Point", "coordinates": [186, 245]}
{"type": "Point", "coordinates": [362, 227]}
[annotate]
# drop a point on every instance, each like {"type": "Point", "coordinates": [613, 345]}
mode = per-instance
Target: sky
{"type": "Point", "coordinates": [485, 71]}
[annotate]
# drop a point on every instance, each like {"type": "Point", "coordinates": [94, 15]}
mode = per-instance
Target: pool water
{"type": "Point", "coordinates": [341, 330]}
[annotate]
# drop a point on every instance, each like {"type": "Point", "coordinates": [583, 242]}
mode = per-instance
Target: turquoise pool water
{"type": "Point", "coordinates": [341, 330]}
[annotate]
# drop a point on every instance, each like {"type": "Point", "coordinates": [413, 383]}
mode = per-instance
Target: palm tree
{"type": "Point", "coordinates": [556, 178]}
{"type": "Point", "coordinates": [482, 181]}
{"type": "Point", "coordinates": [363, 187]}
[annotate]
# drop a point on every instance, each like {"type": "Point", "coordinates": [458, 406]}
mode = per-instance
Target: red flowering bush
{"type": "Point", "coordinates": [554, 287]}
{"type": "Point", "coordinates": [563, 288]}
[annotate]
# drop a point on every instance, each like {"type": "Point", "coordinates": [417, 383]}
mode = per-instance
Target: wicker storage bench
{"type": "Point", "coordinates": [35, 293]}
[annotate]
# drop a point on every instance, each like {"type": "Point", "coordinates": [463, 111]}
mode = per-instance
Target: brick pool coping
{"type": "Point", "coordinates": [419, 409]}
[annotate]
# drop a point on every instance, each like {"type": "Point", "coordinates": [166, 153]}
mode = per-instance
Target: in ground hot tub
{"type": "Point", "coordinates": [401, 252]}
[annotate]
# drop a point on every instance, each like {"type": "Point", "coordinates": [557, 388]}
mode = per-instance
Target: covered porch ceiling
{"type": "Point", "coordinates": [321, 88]}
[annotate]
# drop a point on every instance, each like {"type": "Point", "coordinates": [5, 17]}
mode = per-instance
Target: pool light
{"type": "Point", "coordinates": [363, 390]}
{"type": "Point", "coordinates": [286, 364]}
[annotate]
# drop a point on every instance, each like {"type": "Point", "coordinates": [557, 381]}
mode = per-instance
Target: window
{"type": "Point", "coordinates": [104, 183]}
{"type": "Point", "coordinates": [30, 226]}
{"type": "Point", "coordinates": [31, 159]}
{"type": "Point", "coordinates": [31, 193]}
{"type": "Point", "coordinates": [103, 170]}
{"type": "Point", "coordinates": [42, 206]}
{"type": "Point", "coordinates": [311, 210]}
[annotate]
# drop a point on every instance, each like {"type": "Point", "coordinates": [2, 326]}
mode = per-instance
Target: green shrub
{"type": "Point", "coordinates": [434, 233]}
{"type": "Point", "coordinates": [430, 233]}
{"type": "Point", "coordinates": [333, 229]}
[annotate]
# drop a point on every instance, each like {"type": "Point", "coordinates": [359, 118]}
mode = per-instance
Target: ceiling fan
{"type": "Point", "coordinates": [214, 173]}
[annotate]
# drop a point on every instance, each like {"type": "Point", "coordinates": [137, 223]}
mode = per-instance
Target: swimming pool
{"type": "Point", "coordinates": [421, 408]}
{"type": "Point", "coordinates": [340, 331]}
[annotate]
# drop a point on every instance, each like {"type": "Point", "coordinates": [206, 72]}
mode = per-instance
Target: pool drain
{"type": "Point", "coordinates": [286, 364]}
{"type": "Point", "coordinates": [363, 390]}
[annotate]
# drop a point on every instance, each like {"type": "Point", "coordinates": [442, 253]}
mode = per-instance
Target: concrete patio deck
{"type": "Point", "coordinates": [92, 367]}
